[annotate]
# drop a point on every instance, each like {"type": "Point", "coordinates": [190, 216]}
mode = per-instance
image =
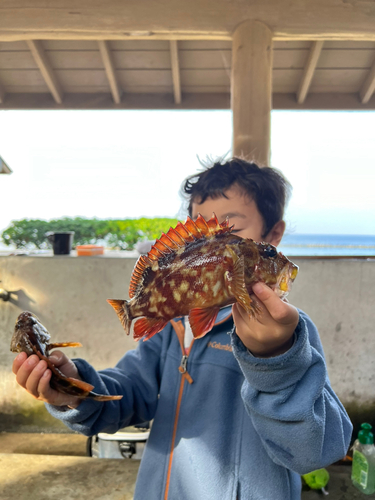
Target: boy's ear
{"type": "Point", "coordinates": [276, 233]}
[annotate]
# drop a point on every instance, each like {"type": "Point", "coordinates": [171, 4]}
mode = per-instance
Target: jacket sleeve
{"type": "Point", "coordinates": [136, 377]}
{"type": "Point", "coordinates": [289, 399]}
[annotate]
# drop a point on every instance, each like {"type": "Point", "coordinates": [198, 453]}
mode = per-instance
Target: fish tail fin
{"type": "Point", "coordinates": [122, 309]}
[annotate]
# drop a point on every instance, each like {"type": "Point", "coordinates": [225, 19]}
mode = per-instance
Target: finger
{"type": "Point", "coordinates": [240, 314]}
{"type": "Point", "coordinates": [260, 316]}
{"type": "Point", "coordinates": [18, 361]}
{"type": "Point", "coordinates": [51, 396]}
{"type": "Point", "coordinates": [278, 309]}
{"type": "Point", "coordinates": [242, 318]}
{"type": "Point", "coordinates": [25, 369]}
{"type": "Point", "coordinates": [33, 380]}
{"type": "Point", "coordinates": [45, 391]}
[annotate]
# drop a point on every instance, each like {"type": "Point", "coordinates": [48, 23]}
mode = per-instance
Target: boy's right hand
{"type": "Point", "coordinates": [33, 375]}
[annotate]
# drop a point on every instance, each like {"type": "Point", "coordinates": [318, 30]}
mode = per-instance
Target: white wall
{"type": "Point", "coordinates": [69, 295]}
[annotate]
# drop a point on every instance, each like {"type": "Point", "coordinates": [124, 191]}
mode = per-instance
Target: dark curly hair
{"type": "Point", "coordinates": [266, 186]}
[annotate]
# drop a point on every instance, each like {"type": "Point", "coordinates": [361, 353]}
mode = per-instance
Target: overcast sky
{"type": "Point", "coordinates": [120, 164]}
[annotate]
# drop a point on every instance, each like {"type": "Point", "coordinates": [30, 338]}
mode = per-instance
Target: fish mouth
{"type": "Point", "coordinates": [285, 280]}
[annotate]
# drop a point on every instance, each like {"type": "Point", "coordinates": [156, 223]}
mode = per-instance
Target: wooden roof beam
{"type": "Point", "coordinates": [109, 66]}
{"type": "Point", "coordinates": [82, 19]}
{"type": "Point", "coordinates": [45, 68]}
{"type": "Point", "coordinates": [309, 70]}
{"type": "Point", "coordinates": [175, 64]}
{"type": "Point", "coordinates": [16, 36]}
{"type": "Point", "coordinates": [368, 86]}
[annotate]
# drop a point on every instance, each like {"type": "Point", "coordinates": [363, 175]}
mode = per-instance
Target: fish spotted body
{"type": "Point", "coordinates": [196, 269]}
{"type": "Point", "coordinates": [32, 337]}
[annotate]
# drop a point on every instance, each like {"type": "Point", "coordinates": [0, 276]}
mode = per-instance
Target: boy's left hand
{"type": "Point", "coordinates": [271, 332]}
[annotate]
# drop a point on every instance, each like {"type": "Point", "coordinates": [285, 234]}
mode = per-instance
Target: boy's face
{"type": "Point", "coordinates": [242, 212]}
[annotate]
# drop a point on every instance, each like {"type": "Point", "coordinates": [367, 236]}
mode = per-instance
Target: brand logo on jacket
{"type": "Point", "coordinates": [222, 347]}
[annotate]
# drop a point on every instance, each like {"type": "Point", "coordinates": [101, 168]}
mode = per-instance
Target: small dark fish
{"type": "Point", "coordinates": [195, 269]}
{"type": "Point", "coordinates": [31, 337]}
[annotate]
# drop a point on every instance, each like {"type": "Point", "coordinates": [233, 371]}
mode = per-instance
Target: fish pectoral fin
{"type": "Point", "coordinates": [80, 384]}
{"type": "Point", "coordinates": [102, 397]}
{"type": "Point", "coordinates": [235, 284]}
{"type": "Point", "coordinates": [202, 320]}
{"type": "Point", "coordinates": [64, 344]}
{"type": "Point", "coordinates": [147, 327]}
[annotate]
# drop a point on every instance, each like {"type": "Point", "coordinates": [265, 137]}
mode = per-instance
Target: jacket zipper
{"type": "Point", "coordinates": [180, 331]}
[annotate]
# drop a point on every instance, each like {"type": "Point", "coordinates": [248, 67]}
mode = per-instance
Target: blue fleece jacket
{"type": "Point", "coordinates": [242, 428]}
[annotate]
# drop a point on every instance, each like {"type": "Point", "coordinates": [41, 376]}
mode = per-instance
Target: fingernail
{"type": "Point", "coordinates": [32, 361]}
{"type": "Point", "coordinates": [258, 287]}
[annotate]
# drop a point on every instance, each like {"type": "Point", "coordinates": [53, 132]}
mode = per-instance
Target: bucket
{"type": "Point", "coordinates": [61, 242]}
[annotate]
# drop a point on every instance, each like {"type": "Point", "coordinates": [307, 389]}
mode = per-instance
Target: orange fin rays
{"type": "Point", "coordinates": [57, 345]}
{"type": "Point", "coordinates": [202, 320]}
{"type": "Point", "coordinates": [102, 397]}
{"type": "Point", "coordinates": [147, 327]}
{"type": "Point", "coordinates": [235, 284]}
{"type": "Point", "coordinates": [123, 312]}
{"type": "Point", "coordinates": [142, 263]}
{"type": "Point", "coordinates": [193, 229]}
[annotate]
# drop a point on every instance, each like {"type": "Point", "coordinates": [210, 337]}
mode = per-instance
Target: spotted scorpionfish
{"type": "Point", "coordinates": [196, 269]}
{"type": "Point", "coordinates": [31, 337]}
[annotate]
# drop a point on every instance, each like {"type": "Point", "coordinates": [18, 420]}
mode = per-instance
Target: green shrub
{"type": "Point", "coordinates": [121, 234]}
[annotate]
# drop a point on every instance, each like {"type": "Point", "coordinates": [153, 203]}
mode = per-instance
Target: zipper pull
{"type": "Point", "coordinates": [183, 364]}
{"type": "Point", "coordinates": [182, 369]}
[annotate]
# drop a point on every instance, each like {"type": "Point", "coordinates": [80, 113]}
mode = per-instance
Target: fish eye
{"type": "Point", "coordinates": [270, 251]}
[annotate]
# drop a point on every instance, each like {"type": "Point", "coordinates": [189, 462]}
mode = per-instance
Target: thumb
{"type": "Point", "coordinates": [278, 309]}
{"type": "Point", "coordinates": [64, 364]}
{"type": "Point", "coordinates": [58, 358]}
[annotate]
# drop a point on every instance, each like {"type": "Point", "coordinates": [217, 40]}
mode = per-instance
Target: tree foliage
{"type": "Point", "coordinates": [120, 234]}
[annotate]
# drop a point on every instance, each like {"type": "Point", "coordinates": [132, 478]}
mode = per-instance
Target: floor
{"type": "Point", "coordinates": [56, 466]}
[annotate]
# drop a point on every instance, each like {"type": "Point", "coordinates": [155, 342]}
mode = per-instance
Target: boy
{"type": "Point", "coordinates": [236, 416]}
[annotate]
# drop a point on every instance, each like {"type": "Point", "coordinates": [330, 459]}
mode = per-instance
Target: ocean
{"type": "Point", "coordinates": [328, 245]}
{"type": "Point", "coordinates": [307, 245]}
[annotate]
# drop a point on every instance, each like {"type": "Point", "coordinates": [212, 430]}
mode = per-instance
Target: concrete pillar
{"type": "Point", "coordinates": [251, 92]}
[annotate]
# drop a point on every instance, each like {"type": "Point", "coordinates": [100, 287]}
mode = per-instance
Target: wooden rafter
{"type": "Point", "coordinates": [110, 71]}
{"type": "Point", "coordinates": [308, 72]}
{"type": "Point", "coordinates": [368, 87]}
{"type": "Point", "coordinates": [45, 68]}
{"type": "Point", "coordinates": [175, 71]}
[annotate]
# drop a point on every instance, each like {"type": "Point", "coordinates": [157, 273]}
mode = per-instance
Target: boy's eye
{"type": "Point", "coordinates": [270, 251]}
{"type": "Point", "coordinates": [236, 231]}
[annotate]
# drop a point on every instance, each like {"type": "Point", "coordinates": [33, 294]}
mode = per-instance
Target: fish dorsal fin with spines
{"type": "Point", "coordinates": [142, 264]}
{"type": "Point", "coordinates": [176, 238]}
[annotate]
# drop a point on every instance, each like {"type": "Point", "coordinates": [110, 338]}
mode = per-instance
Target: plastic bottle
{"type": "Point", "coordinates": [363, 469]}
